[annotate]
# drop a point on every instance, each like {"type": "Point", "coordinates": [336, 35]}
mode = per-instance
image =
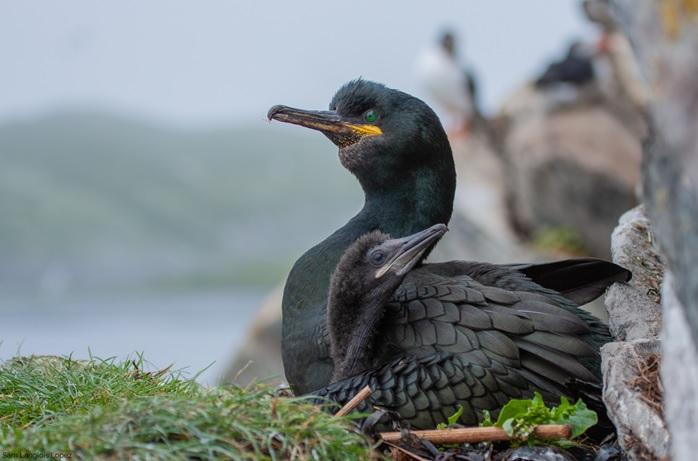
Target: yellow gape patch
{"type": "Point", "coordinates": [366, 130]}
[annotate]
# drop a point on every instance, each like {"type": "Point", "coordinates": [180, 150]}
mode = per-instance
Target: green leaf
{"type": "Point", "coordinates": [453, 419]}
{"type": "Point", "coordinates": [515, 408]}
{"type": "Point", "coordinates": [508, 427]}
{"type": "Point", "coordinates": [579, 417]}
{"type": "Point", "coordinates": [519, 416]}
{"type": "Point", "coordinates": [486, 419]}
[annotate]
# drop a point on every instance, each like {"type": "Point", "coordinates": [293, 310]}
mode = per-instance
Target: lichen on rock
{"type": "Point", "coordinates": [634, 308]}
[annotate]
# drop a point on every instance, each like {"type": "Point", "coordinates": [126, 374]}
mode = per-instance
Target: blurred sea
{"type": "Point", "coordinates": [189, 330]}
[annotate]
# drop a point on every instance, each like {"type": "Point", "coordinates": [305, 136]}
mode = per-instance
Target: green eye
{"type": "Point", "coordinates": [370, 116]}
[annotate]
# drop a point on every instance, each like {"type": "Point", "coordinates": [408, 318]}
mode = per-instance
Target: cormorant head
{"type": "Point", "coordinates": [448, 43]}
{"type": "Point", "coordinates": [362, 284]}
{"type": "Point", "coordinates": [375, 264]}
{"type": "Point", "coordinates": [383, 135]}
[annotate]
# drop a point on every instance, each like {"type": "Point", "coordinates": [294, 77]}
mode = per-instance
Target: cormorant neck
{"type": "Point", "coordinates": [422, 197]}
{"type": "Point", "coordinates": [354, 338]}
{"type": "Point", "coordinates": [417, 201]}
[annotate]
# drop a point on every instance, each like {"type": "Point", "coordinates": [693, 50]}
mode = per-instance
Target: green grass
{"type": "Point", "coordinates": [104, 409]}
{"type": "Point", "coordinates": [560, 239]}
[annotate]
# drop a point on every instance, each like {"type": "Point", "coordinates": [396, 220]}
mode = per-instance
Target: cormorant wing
{"type": "Point", "coordinates": [450, 340]}
{"type": "Point", "coordinates": [581, 279]}
{"type": "Point", "coordinates": [427, 390]}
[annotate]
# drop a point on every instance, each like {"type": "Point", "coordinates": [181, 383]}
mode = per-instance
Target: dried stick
{"type": "Point", "coordinates": [354, 402]}
{"type": "Point", "coordinates": [481, 434]}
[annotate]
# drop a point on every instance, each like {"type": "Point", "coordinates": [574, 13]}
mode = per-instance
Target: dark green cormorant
{"type": "Point", "coordinates": [427, 341]}
{"type": "Point", "coordinates": [396, 147]}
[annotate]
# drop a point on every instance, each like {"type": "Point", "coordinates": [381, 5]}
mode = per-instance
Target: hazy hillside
{"type": "Point", "coordinates": [90, 201]}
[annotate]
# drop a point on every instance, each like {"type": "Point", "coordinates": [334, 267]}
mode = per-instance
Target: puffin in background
{"type": "Point", "coordinates": [448, 84]}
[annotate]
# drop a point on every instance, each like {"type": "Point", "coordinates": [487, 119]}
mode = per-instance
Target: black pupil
{"type": "Point", "coordinates": [378, 257]}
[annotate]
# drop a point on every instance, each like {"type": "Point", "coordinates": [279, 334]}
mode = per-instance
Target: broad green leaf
{"type": "Point", "coordinates": [519, 416]}
{"type": "Point", "coordinates": [579, 417]}
{"type": "Point", "coordinates": [515, 408]}
{"type": "Point", "coordinates": [508, 427]}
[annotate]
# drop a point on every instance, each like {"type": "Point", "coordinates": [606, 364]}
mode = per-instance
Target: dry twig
{"type": "Point", "coordinates": [362, 395]}
{"type": "Point", "coordinates": [481, 434]}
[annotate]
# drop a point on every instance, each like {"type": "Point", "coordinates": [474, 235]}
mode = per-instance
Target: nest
{"type": "Point", "coordinates": [648, 382]}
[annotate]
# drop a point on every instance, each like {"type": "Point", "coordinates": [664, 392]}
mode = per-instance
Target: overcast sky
{"type": "Point", "coordinates": [200, 62]}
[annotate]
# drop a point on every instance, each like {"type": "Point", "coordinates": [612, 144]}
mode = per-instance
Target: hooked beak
{"type": "Point", "coordinates": [412, 248]}
{"type": "Point", "coordinates": [340, 131]}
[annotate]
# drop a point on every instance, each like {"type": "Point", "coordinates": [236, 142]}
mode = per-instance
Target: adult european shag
{"type": "Point", "coordinates": [396, 147]}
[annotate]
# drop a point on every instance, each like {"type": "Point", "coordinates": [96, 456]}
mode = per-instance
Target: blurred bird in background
{"type": "Point", "coordinates": [449, 84]}
{"type": "Point", "coordinates": [563, 79]}
{"type": "Point", "coordinates": [575, 69]}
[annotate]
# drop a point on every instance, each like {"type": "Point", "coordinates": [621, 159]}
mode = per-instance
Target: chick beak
{"type": "Point", "coordinates": [411, 249]}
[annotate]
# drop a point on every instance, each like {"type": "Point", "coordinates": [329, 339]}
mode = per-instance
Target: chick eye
{"type": "Point", "coordinates": [370, 116]}
{"type": "Point", "coordinates": [377, 257]}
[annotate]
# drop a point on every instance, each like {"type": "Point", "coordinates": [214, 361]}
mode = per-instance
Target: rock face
{"type": "Point", "coordinates": [630, 365]}
{"type": "Point", "coordinates": [259, 358]}
{"type": "Point", "coordinates": [679, 369]}
{"type": "Point", "coordinates": [480, 228]}
{"type": "Point", "coordinates": [664, 36]}
{"type": "Point", "coordinates": [634, 309]}
{"type": "Point", "coordinates": [570, 166]}
{"type": "Point", "coordinates": [642, 433]}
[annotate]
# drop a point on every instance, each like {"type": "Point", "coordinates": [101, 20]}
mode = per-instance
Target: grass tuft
{"type": "Point", "coordinates": [560, 240]}
{"type": "Point", "coordinates": [104, 409]}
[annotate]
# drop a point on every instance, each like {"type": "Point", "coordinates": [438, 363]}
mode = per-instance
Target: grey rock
{"type": "Point", "coordinates": [664, 36]}
{"type": "Point", "coordinates": [536, 454]}
{"type": "Point", "coordinates": [259, 358]}
{"type": "Point", "coordinates": [572, 168]}
{"type": "Point", "coordinates": [642, 432]}
{"type": "Point", "coordinates": [680, 368]}
{"type": "Point", "coordinates": [480, 228]}
{"type": "Point", "coordinates": [634, 309]}
{"type": "Point", "coordinates": [665, 41]}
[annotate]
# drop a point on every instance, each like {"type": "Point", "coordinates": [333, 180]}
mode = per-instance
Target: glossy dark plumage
{"type": "Point", "coordinates": [475, 340]}
{"type": "Point", "coordinates": [356, 307]}
{"type": "Point", "coordinates": [409, 180]}
{"type": "Point", "coordinates": [362, 285]}
{"type": "Point", "coordinates": [476, 332]}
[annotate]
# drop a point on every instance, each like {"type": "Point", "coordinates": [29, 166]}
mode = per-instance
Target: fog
{"type": "Point", "coordinates": [221, 61]}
